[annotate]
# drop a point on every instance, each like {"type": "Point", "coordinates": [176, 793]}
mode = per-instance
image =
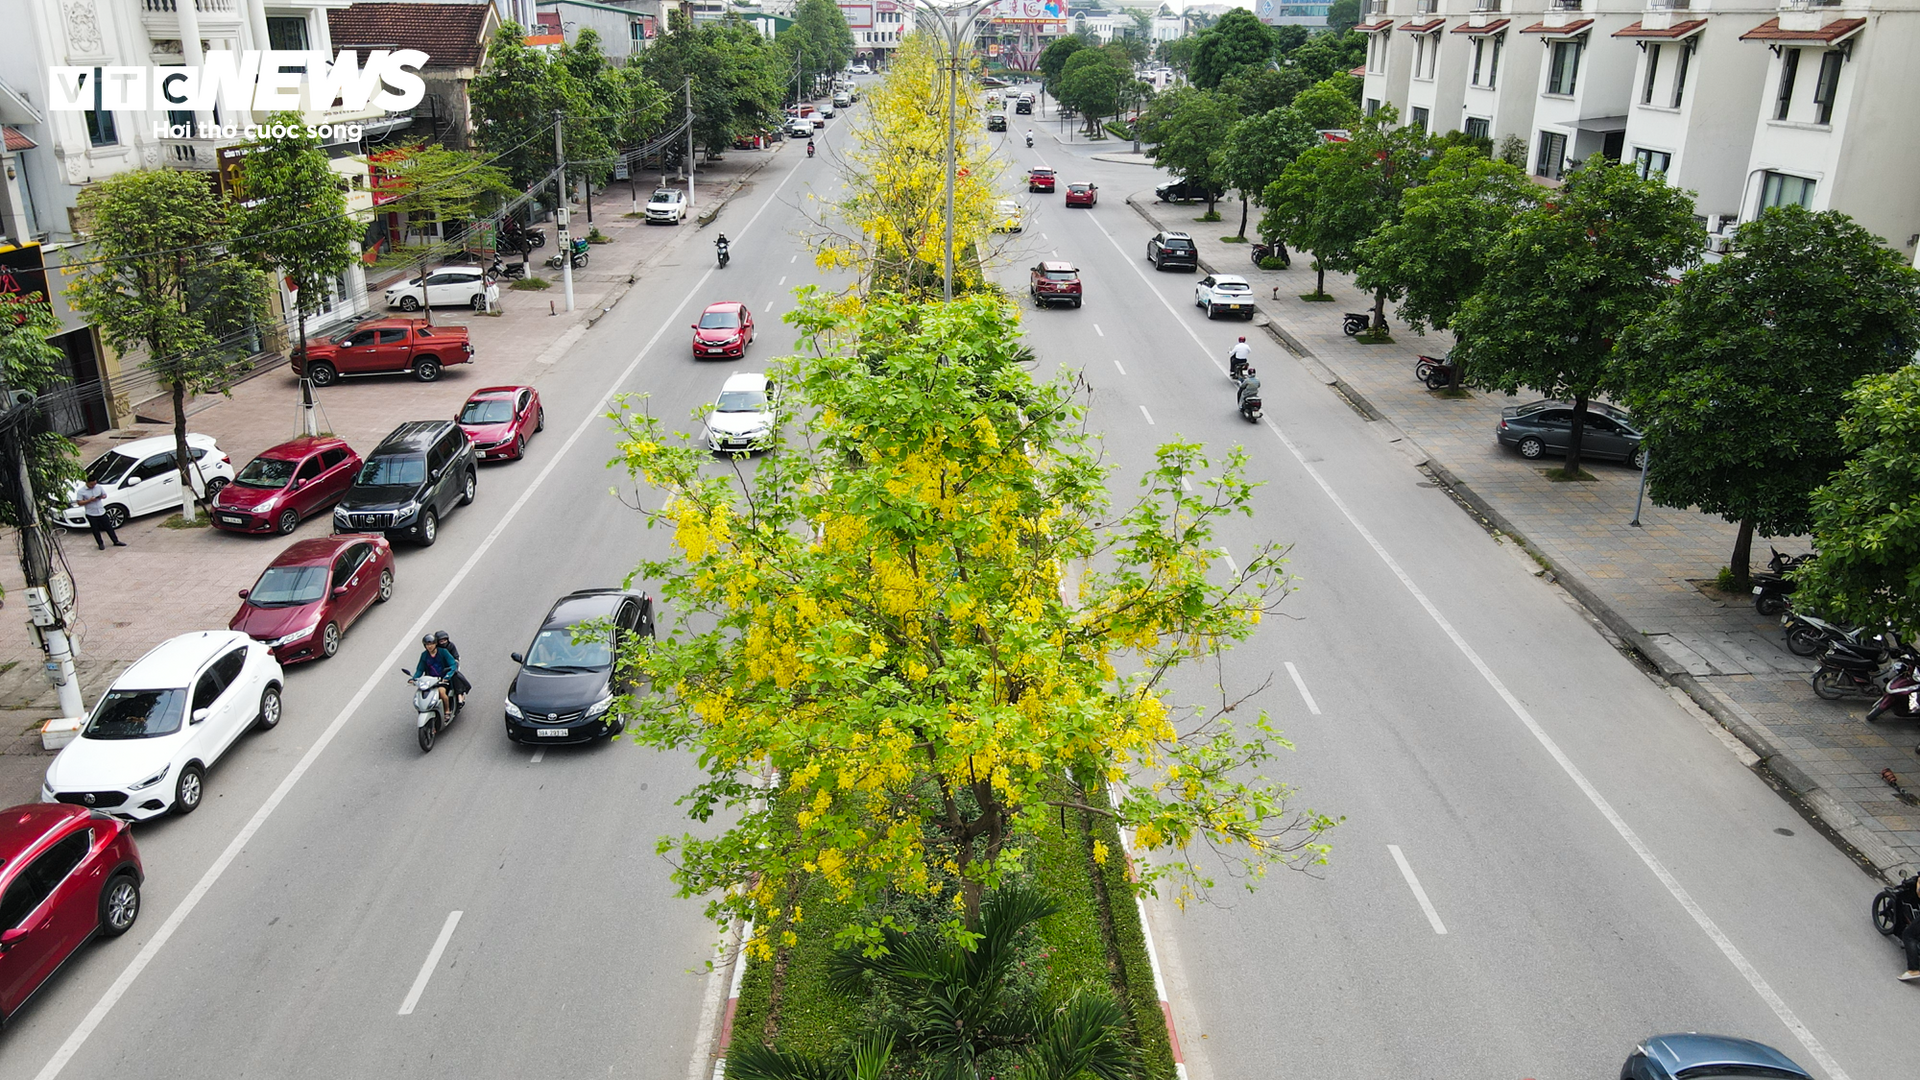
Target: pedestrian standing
{"type": "Point", "coordinates": [93, 500]}
{"type": "Point", "coordinates": [1910, 936]}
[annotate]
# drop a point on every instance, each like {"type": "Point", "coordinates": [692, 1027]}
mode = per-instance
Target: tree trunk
{"type": "Point", "coordinates": [1742, 562]}
{"type": "Point", "coordinates": [309, 419]}
{"type": "Point", "coordinates": [1572, 470]}
{"type": "Point", "coordinates": [1320, 281]}
{"type": "Point", "coordinates": [1380, 309]}
{"type": "Point", "coordinates": [182, 454]}
{"type": "Point", "coordinates": [1243, 216]}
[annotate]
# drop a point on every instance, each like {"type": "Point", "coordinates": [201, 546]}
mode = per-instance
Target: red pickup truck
{"type": "Point", "coordinates": [381, 346]}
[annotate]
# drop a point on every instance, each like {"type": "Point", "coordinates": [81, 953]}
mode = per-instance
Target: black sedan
{"type": "Point", "coordinates": [568, 679]}
{"type": "Point", "coordinates": [1544, 427]}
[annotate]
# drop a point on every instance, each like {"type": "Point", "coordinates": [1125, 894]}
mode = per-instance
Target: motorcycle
{"type": "Point", "coordinates": [1771, 586]}
{"type": "Point", "coordinates": [580, 255]}
{"type": "Point", "coordinates": [521, 234]}
{"type": "Point", "coordinates": [809, 149]}
{"type": "Point", "coordinates": [1250, 404]}
{"type": "Point", "coordinates": [1855, 670]}
{"type": "Point", "coordinates": [1029, 140]}
{"type": "Point", "coordinates": [1355, 321]}
{"type": "Point", "coordinates": [1263, 252]}
{"type": "Point", "coordinates": [431, 712]}
{"type": "Point", "coordinates": [720, 246]}
{"type": "Point", "coordinates": [1436, 371]}
{"type": "Point", "coordinates": [1237, 366]}
{"type": "Point", "coordinates": [501, 269]}
{"type": "Point", "coordinates": [1808, 634]}
{"type": "Point", "coordinates": [1894, 907]}
{"type": "Point", "coordinates": [1902, 698]}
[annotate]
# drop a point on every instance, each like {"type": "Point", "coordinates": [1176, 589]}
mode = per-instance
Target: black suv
{"type": "Point", "coordinates": [1172, 249]}
{"type": "Point", "coordinates": [566, 687]}
{"type": "Point", "coordinates": [996, 121]}
{"type": "Point", "coordinates": [1184, 191]}
{"type": "Point", "coordinates": [415, 477]}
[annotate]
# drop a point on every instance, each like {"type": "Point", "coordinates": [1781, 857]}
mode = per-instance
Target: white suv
{"type": "Point", "coordinates": [154, 734]}
{"type": "Point", "coordinates": [668, 205]}
{"type": "Point", "coordinates": [464, 286]}
{"type": "Point", "coordinates": [742, 420]}
{"type": "Point", "coordinates": [141, 477]}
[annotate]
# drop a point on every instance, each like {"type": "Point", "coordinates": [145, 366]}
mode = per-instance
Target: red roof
{"type": "Point", "coordinates": [1359, 72]}
{"type": "Point", "coordinates": [1566, 30]}
{"type": "Point", "coordinates": [1375, 27]}
{"type": "Point", "coordinates": [452, 35]}
{"type": "Point", "coordinates": [1677, 30]}
{"type": "Point", "coordinates": [1421, 28]}
{"type": "Point", "coordinates": [17, 139]}
{"type": "Point", "coordinates": [1493, 27]}
{"type": "Point", "coordinates": [1826, 35]}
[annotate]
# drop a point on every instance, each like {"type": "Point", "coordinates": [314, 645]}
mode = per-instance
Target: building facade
{"type": "Point", "coordinates": [624, 26]}
{"type": "Point", "coordinates": [878, 28]}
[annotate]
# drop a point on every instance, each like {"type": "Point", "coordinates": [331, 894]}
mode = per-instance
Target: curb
{"type": "Point", "coordinates": [1153, 961]}
{"type": "Point", "coordinates": [1774, 763]}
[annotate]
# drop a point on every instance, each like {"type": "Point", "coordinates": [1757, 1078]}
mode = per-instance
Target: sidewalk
{"type": "Point", "coordinates": [170, 580]}
{"type": "Point", "coordinates": [1651, 586]}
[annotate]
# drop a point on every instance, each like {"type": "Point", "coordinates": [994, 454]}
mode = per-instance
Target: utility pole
{"type": "Point", "coordinates": [46, 623]}
{"type": "Point", "coordinates": [560, 234]}
{"type": "Point", "coordinates": [690, 204]}
{"type": "Point", "coordinates": [953, 92]}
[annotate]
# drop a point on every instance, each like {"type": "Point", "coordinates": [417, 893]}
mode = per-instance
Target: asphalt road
{"type": "Point", "coordinates": [1602, 867]}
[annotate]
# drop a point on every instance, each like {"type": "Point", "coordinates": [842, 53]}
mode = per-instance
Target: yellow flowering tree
{"type": "Point", "coordinates": [918, 623]}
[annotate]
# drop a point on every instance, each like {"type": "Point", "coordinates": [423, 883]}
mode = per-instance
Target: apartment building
{"type": "Point", "coordinates": [878, 27]}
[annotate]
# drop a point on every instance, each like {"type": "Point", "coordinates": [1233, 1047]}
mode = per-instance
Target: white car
{"type": "Point", "coordinates": [461, 286]}
{"type": "Point", "coordinates": [742, 420]}
{"type": "Point", "coordinates": [827, 110]}
{"type": "Point", "coordinates": [153, 735]}
{"type": "Point", "coordinates": [861, 69]}
{"type": "Point", "coordinates": [141, 477]}
{"type": "Point", "coordinates": [668, 205]}
{"type": "Point", "coordinates": [1009, 217]}
{"type": "Point", "coordinates": [1224, 293]}
{"type": "Point", "coordinates": [799, 128]}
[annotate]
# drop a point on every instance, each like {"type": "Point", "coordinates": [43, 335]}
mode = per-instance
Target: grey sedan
{"type": "Point", "coordinates": [1545, 427]}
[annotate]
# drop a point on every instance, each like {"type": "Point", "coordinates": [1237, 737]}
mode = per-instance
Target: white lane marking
{"type": "Point", "coordinates": [1419, 893]}
{"type": "Point", "coordinates": [1097, 330]}
{"type": "Point", "coordinates": [232, 851]}
{"type": "Point", "coordinates": [1755, 981]}
{"type": "Point", "coordinates": [768, 308]}
{"type": "Point", "coordinates": [792, 260]}
{"type": "Point", "coordinates": [1300, 684]}
{"type": "Point", "coordinates": [538, 754]}
{"type": "Point", "coordinates": [433, 961]}
{"type": "Point", "coordinates": [1231, 565]}
{"type": "Point", "coordinates": [1186, 483]}
{"type": "Point", "coordinates": [1056, 253]}
{"type": "Point", "coordinates": [1145, 413]}
{"type": "Point", "coordinates": [1123, 370]}
{"type": "Point", "coordinates": [1043, 236]}
{"type": "Point", "coordinates": [783, 279]}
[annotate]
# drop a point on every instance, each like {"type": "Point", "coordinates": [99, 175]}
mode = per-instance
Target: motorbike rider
{"type": "Point", "coordinates": [1249, 387]}
{"type": "Point", "coordinates": [1029, 136]}
{"type": "Point", "coordinates": [809, 147]}
{"type": "Point", "coordinates": [459, 680]}
{"type": "Point", "coordinates": [438, 663]}
{"type": "Point", "coordinates": [1240, 357]}
{"type": "Point", "coordinates": [1911, 936]}
{"type": "Point", "coordinates": [720, 245]}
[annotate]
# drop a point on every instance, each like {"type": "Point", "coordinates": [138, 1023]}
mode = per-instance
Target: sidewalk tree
{"type": "Point", "coordinates": [819, 39]}
{"type": "Point", "coordinates": [1866, 519]}
{"type": "Point", "coordinates": [1091, 85]}
{"type": "Point", "coordinates": [1235, 41]}
{"type": "Point", "coordinates": [1053, 59]}
{"type": "Point", "coordinates": [1192, 140]}
{"type": "Point", "coordinates": [1262, 90]}
{"type": "Point", "coordinates": [160, 279]}
{"type": "Point", "coordinates": [514, 104]}
{"type": "Point", "coordinates": [1566, 280]}
{"type": "Point", "coordinates": [739, 77]}
{"type": "Point", "coordinates": [921, 616]}
{"type": "Point", "coordinates": [624, 106]}
{"type": "Point", "coordinates": [1739, 377]}
{"type": "Point", "coordinates": [442, 185]}
{"type": "Point", "coordinates": [29, 360]}
{"type": "Point", "coordinates": [1260, 148]}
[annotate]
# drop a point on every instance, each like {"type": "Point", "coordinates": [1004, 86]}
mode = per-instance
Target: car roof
{"type": "Point", "coordinates": [317, 551]}
{"type": "Point", "coordinates": [415, 435]}
{"type": "Point", "coordinates": [1040, 169]}
{"type": "Point", "coordinates": [676, 193]}
{"type": "Point", "coordinates": [1175, 234]}
{"type": "Point", "coordinates": [294, 449]}
{"type": "Point", "coordinates": [155, 444]}
{"type": "Point", "coordinates": [724, 305]}
{"type": "Point", "coordinates": [584, 604]}
{"type": "Point", "coordinates": [1229, 279]}
{"type": "Point", "coordinates": [1055, 265]}
{"type": "Point", "coordinates": [1080, 183]}
{"type": "Point", "coordinates": [172, 663]}
{"type": "Point", "coordinates": [496, 391]}
{"type": "Point", "coordinates": [745, 380]}
{"type": "Point", "coordinates": [23, 827]}
{"type": "Point", "coordinates": [1692, 1050]}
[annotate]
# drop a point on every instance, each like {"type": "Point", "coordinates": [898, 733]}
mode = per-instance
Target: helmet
{"type": "Point", "coordinates": [1243, 337]}
{"type": "Point", "coordinates": [427, 640]}
{"type": "Point", "coordinates": [441, 636]}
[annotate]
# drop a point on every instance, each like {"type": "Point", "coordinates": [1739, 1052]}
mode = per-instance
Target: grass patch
{"type": "Point", "coordinates": [1271, 263]}
{"type": "Point", "coordinates": [1317, 297]}
{"type": "Point", "coordinates": [1233, 239]}
{"type": "Point", "coordinates": [595, 236]}
{"type": "Point", "coordinates": [1373, 337]}
{"type": "Point", "coordinates": [201, 521]}
{"type": "Point", "coordinates": [527, 283]}
{"type": "Point", "coordinates": [1453, 392]}
{"type": "Point", "coordinates": [1558, 474]}
{"type": "Point", "coordinates": [1211, 215]}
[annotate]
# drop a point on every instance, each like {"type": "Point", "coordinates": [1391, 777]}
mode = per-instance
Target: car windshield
{"type": "Point", "coordinates": [720, 320]}
{"type": "Point", "coordinates": [286, 586]}
{"type": "Point", "coordinates": [665, 195]}
{"type": "Point", "coordinates": [737, 401]}
{"type": "Point", "coordinates": [137, 714]}
{"type": "Point", "coordinates": [109, 467]}
{"type": "Point", "coordinates": [266, 472]}
{"type": "Point", "coordinates": [487, 411]}
{"type": "Point", "coordinates": [555, 650]}
{"type": "Point", "coordinates": [1060, 275]}
{"type": "Point", "coordinates": [393, 471]}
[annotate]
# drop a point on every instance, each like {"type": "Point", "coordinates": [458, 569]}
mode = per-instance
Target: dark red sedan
{"type": "Point", "coordinates": [308, 596]}
{"type": "Point", "coordinates": [500, 419]}
{"type": "Point", "coordinates": [724, 330]}
{"type": "Point", "coordinates": [66, 875]}
{"type": "Point", "coordinates": [285, 485]}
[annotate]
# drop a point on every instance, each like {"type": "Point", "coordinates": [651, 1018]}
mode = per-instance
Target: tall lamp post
{"type": "Point", "coordinates": [956, 25]}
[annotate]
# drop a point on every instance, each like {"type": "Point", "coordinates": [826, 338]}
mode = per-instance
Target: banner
{"type": "Point", "coordinates": [1027, 11]}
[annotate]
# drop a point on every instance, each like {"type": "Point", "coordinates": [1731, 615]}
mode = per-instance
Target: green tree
{"type": "Point", "coordinates": [1192, 140]}
{"type": "Point", "coordinates": [1739, 377]}
{"type": "Point", "coordinates": [162, 281]}
{"type": "Point", "coordinates": [1288, 38]}
{"type": "Point", "coordinates": [1053, 59]}
{"type": "Point", "coordinates": [625, 106]}
{"type": "Point", "coordinates": [1178, 53]}
{"type": "Point", "coordinates": [1866, 520]}
{"type": "Point", "coordinates": [1330, 56]}
{"type": "Point", "coordinates": [1262, 89]}
{"type": "Point", "coordinates": [1258, 149]}
{"type": "Point", "coordinates": [1567, 279]}
{"type": "Point", "coordinates": [1343, 16]}
{"type": "Point", "coordinates": [515, 103]}
{"type": "Point", "coordinates": [29, 360]}
{"type": "Point", "coordinates": [447, 186]}
{"type": "Point", "coordinates": [1236, 40]}
{"type": "Point", "coordinates": [819, 39]}
{"type": "Point", "coordinates": [739, 77]}
{"type": "Point", "coordinates": [1091, 85]}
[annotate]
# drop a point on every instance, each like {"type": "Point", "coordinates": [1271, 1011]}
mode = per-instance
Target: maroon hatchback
{"type": "Point", "coordinates": [66, 874]}
{"type": "Point", "coordinates": [286, 485]}
{"type": "Point", "coordinates": [499, 420]}
{"type": "Point", "coordinates": [308, 596]}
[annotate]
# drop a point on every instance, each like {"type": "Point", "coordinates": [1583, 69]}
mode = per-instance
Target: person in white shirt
{"type": "Point", "coordinates": [1239, 358]}
{"type": "Point", "coordinates": [93, 499]}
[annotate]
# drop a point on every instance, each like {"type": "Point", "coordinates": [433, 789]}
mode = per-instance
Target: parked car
{"type": "Point", "coordinates": [1166, 249]}
{"type": "Point", "coordinates": [1690, 1054]}
{"type": "Point", "coordinates": [743, 418]}
{"type": "Point", "coordinates": [725, 329]}
{"type": "Point", "coordinates": [667, 206]}
{"type": "Point", "coordinates": [1228, 293]}
{"type": "Point", "coordinates": [567, 684]}
{"type": "Point", "coordinates": [459, 286]}
{"type": "Point", "coordinates": [1039, 179]}
{"type": "Point", "coordinates": [285, 485]}
{"type": "Point", "coordinates": [996, 121]}
{"type": "Point", "coordinates": [1545, 427]}
{"type": "Point", "coordinates": [860, 69]}
{"type": "Point", "coordinates": [1184, 191]}
{"type": "Point", "coordinates": [68, 875]}
{"type": "Point", "coordinates": [164, 722]}
{"type": "Point", "coordinates": [1053, 283]}
{"type": "Point", "coordinates": [1082, 195]}
{"type": "Point", "coordinates": [413, 479]}
{"type": "Point", "coordinates": [384, 346]}
{"type": "Point", "coordinates": [499, 420]}
{"type": "Point", "coordinates": [799, 128]}
{"type": "Point", "coordinates": [143, 477]}
{"type": "Point", "coordinates": [1009, 217]}
{"type": "Point", "coordinates": [309, 595]}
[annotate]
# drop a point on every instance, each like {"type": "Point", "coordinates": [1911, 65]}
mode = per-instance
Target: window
{"type": "Point", "coordinates": [1789, 71]}
{"type": "Point", "coordinates": [1651, 163]}
{"type": "Point", "coordinates": [1564, 72]}
{"type": "Point", "coordinates": [1680, 72]}
{"type": "Point", "coordinates": [155, 466]}
{"type": "Point", "coordinates": [41, 877]}
{"type": "Point", "coordinates": [1486, 59]}
{"type": "Point", "coordinates": [181, 118]}
{"type": "Point", "coordinates": [1552, 162]}
{"type": "Point", "coordinates": [1780, 189]}
{"type": "Point", "coordinates": [1478, 127]}
{"type": "Point", "coordinates": [100, 128]}
{"type": "Point", "coordinates": [394, 337]}
{"type": "Point", "coordinates": [1827, 87]}
{"type": "Point", "coordinates": [287, 33]}
{"type": "Point", "coordinates": [1420, 119]}
{"type": "Point", "coordinates": [1373, 106]}
{"type": "Point", "coordinates": [1653, 72]}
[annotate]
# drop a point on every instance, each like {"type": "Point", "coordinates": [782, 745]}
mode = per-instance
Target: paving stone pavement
{"type": "Point", "coordinates": [168, 579]}
{"type": "Point", "coordinates": [1651, 585]}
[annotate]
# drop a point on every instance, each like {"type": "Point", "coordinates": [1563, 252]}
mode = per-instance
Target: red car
{"type": "Point", "coordinates": [385, 345]}
{"type": "Point", "coordinates": [724, 330]}
{"type": "Point", "coordinates": [285, 485]}
{"type": "Point", "coordinates": [1082, 194]}
{"type": "Point", "coordinates": [66, 874]}
{"type": "Point", "coordinates": [308, 596]}
{"type": "Point", "coordinates": [500, 419]}
{"type": "Point", "coordinates": [1039, 179]}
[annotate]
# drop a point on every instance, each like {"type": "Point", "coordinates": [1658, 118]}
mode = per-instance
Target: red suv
{"type": "Point", "coordinates": [1055, 283]}
{"type": "Point", "coordinates": [66, 874]}
{"type": "Point", "coordinates": [1039, 179]}
{"type": "Point", "coordinates": [285, 485]}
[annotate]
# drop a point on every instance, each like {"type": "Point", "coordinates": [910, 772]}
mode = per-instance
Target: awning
{"type": "Point", "coordinates": [1424, 28]}
{"type": "Point", "coordinates": [1601, 124]}
{"type": "Point", "coordinates": [1494, 27]}
{"type": "Point", "coordinates": [1837, 30]}
{"type": "Point", "coordinates": [1375, 27]}
{"type": "Point", "coordinates": [1671, 33]}
{"type": "Point", "coordinates": [1565, 30]}
{"type": "Point", "coordinates": [16, 139]}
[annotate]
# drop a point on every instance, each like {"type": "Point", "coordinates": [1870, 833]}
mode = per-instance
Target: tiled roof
{"type": "Point", "coordinates": [1566, 30]}
{"type": "Point", "coordinates": [1493, 27]}
{"type": "Point", "coordinates": [1425, 27]}
{"type": "Point", "coordinates": [1826, 35]}
{"type": "Point", "coordinates": [17, 139]}
{"type": "Point", "coordinates": [452, 35]}
{"type": "Point", "coordinates": [1375, 27]}
{"type": "Point", "coordinates": [1677, 30]}
{"type": "Point", "coordinates": [1358, 73]}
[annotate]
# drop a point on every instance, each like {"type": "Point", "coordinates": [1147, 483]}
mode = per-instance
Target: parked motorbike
{"type": "Point", "coordinates": [1894, 907]}
{"type": "Point", "coordinates": [432, 715]}
{"type": "Point", "coordinates": [1772, 586]}
{"type": "Point", "coordinates": [1263, 252]}
{"type": "Point", "coordinates": [1902, 699]}
{"type": "Point", "coordinates": [580, 255]}
{"type": "Point", "coordinates": [522, 234]}
{"type": "Point", "coordinates": [1857, 670]}
{"type": "Point", "coordinates": [1808, 634]}
{"type": "Point", "coordinates": [1436, 371]}
{"type": "Point", "coordinates": [501, 269]}
{"type": "Point", "coordinates": [1355, 321]}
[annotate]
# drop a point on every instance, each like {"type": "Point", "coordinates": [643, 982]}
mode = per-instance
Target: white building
{"type": "Point", "coordinates": [878, 27]}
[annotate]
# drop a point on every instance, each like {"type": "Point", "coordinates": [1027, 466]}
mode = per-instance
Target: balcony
{"type": "Point", "coordinates": [1669, 5]}
{"type": "Point", "coordinates": [190, 155]}
{"type": "Point", "coordinates": [162, 17]}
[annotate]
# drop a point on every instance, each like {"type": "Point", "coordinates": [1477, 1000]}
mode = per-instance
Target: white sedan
{"type": "Point", "coordinates": [154, 734]}
{"type": "Point", "coordinates": [742, 420]}
{"type": "Point", "coordinates": [1228, 293]}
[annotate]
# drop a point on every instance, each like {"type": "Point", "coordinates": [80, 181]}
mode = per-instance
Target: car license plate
{"type": "Point", "coordinates": [553, 733]}
{"type": "Point", "coordinates": [231, 520]}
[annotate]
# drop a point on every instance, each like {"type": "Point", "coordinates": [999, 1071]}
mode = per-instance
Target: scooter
{"type": "Point", "coordinates": [1029, 140]}
{"type": "Point", "coordinates": [720, 246]}
{"type": "Point", "coordinates": [1355, 321]}
{"type": "Point", "coordinates": [1894, 907]}
{"type": "Point", "coordinates": [1808, 634]}
{"type": "Point", "coordinates": [1249, 403]}
{"type": "Point", "coordinates": [1902, 699]}
{"type": "Point", "coordinates": [1848, 670]}
{"type": "Point", "coordinates": [502, 269]}
{"type": "Point", "coordinates": [1771, 587]}
{"type": "Point", "coordinates": [1263, 252]}
{"type": "Point", "coordinates": [1237, 366]}
{"type": "Point", "coordinates": [580, 255]}
{"type": "Point", "coordinates": [431, 715]}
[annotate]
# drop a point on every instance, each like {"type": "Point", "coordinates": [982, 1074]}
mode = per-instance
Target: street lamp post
{"type": "Point", "coordinates": [955, 34]}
